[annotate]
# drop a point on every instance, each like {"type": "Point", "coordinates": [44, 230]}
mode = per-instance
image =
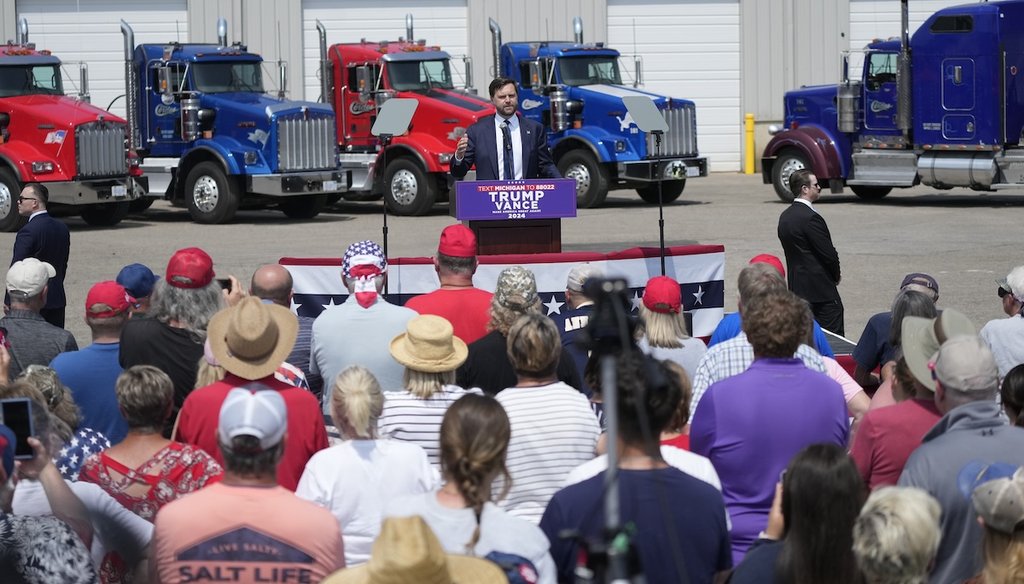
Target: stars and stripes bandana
{"type": "Point", "coordinates": [362, 263]}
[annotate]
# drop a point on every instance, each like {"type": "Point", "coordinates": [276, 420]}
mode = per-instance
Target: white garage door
{"type": "Point", "coordinates": [690, 49]}
{"type": "Point", "coordinates": [90, 31]}
{"type": "Point", "coordinates": [439, 22]}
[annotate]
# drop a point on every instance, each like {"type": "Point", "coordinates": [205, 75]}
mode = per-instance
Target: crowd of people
{"type": "Point", "coordinates": [209, 434]}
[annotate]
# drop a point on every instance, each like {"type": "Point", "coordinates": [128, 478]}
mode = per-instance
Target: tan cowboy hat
{"type": "Point", "coordinates": [407, 551]}
{"type": "Point", "coordinates": [429, 345]}
{"type": "Point", "coordinates": [252, 339]}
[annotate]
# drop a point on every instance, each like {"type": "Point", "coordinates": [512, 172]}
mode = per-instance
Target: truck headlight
{"type": "Point", "coordinates": [42, 167]}
{"type": "Point", "coordinates": [674, 170]}
{"type": "Point", "coordinates": [250, 157]}
{"type": "Point", "coordinates": [444, 157]}
{"type": "Point", "coordinates": [620, 145]}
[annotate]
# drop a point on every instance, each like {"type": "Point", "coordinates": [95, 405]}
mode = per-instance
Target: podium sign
{"type": "Point", "coordinates": [495, 200]}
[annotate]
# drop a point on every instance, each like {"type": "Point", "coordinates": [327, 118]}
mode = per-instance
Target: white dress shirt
{"type": "Point", "coordinates": [517, 145]}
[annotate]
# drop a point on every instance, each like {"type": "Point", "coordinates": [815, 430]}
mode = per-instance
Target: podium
{"type": "Point", "coordinates": [515, 217]}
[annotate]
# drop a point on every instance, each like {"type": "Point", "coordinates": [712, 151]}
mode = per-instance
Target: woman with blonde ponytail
{"type": "Point", "coordinates": [474, 440]}
{"type": "Point", "coordinates": [355, 479]}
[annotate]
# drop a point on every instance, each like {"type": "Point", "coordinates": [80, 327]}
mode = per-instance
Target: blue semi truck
{"type": "Point", "coordinates": [576, 90]}
{"type": "Point", "coordinates": [944, 108]}
{"type": "Point", "coordinates": [203, 110]}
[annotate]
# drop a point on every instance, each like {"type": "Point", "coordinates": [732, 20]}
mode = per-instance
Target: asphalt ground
{"type": "Point", "coordinates": [964, 239]}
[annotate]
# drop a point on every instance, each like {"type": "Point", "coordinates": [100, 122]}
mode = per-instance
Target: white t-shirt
{"type": "Point", "coordinates": [413, 419]}
{"type": "Point", "coordinates": [553, 431]}
{"type": "Point", "coordinates": [499, 531]}
{"type": "Point", "coordinates": [356, 479]}
{"type": "Point", "coordinates": [695, 465]}
{"type": "Point", "coordinates": [688, 356]}
{"type": "Point", "coordinates": [116, 528]}
{"type": "Point", "coordinates": [1005, 336]}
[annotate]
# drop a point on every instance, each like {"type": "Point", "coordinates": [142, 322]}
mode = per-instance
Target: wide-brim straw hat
{"type": "Point", "coordinates": [429, 345]}
{"type": "Point", "coordinates": [407, 551]}
{"type": "Point", "coordinates": [252, 338]}
{"type": "Point", "coordinates": [922, 337]}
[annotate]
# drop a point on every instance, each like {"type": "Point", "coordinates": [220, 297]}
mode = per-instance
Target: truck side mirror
{"type": "Point", "coordinates": [163, 76]}
{"type": "Point", "coordinates": [536, 75]}
{"type": "Point", "coordinates": [364, 81]}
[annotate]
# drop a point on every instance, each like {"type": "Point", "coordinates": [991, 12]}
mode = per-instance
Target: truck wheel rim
{"type": "Point", "coordinates": [404, 187]}
{"type": "Point", "coordinates": [206, 194]}
{"type": "Point", "coordinates": [581, 174]}
{"type": "Point", "coordinates": [6, 200]}
{"type": "Point", "coordinates": [790, 166]}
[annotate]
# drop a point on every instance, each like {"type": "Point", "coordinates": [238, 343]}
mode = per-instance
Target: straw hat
{"type": "Point", "coordinates": [429, 345]}
{"type": "Point", "coordinates": [407, 551]}
{"type": "Point", "coordinates": [252, 339]}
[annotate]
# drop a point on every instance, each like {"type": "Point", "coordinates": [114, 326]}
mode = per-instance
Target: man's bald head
{"type": "Point", "coordinates": [272, 282]}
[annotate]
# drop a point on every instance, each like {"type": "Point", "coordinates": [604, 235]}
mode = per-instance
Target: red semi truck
{"type": "Point", "coordinates": [357, 78]}
{"type": "Point", "coordinates": [77, 150]}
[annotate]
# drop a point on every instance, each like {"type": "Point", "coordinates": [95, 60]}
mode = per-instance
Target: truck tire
{"type": "Point", "coordinates": [788, 162]}
{"type": "Point", "coordinates": [407, 188]}
{"type": "Point", "coordinates": [670, 191]}
{"type": "Point", "coordinates": [591, 177]}
{"type": "Point", "coordinates": [210, 195]}
{"type": "Point", "coordinates": [105, 214]}
{"type": "Point", "coordinates": [10, 190]}
{"type": "Point", "coordinates": [141, 204]}
{"type": "Point", "coordinates": [303, 207]}
{"type": "Point", "coordinates": [870, 193]}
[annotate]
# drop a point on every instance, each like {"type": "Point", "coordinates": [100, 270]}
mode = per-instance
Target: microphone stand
{"type": "Point", "coordinates": [661, 202]}
{"type": "Point", "coordinates": [385, 141]}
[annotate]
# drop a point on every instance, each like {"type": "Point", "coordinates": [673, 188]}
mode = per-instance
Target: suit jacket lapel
{"type": "Point", "coordinates": [526, 137]}
{"type": "Point", "coordinates": [491, 145]}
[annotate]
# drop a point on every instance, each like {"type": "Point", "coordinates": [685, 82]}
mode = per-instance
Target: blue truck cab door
{"type": "Point", "coordinates": [880, 91]}
{"type": "Point", "coordinates": [163, 112]}
{"type": "Point", "coordinates": [533, 105]}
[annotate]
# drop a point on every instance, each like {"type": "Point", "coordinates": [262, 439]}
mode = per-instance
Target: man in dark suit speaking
{"type": "Point", "coordinates": [810, 256]}
{"type": "Point", "coordinates": [506, 146]}
{"type": "Point", "coordinates": [48, 240]}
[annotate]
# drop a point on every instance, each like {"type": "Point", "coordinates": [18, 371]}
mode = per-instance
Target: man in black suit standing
{"type": "Point", "coordinates": [505, 146]}
{"type": "Point", "coordinates": [47, 240]}
{"type": "Point", "coordinates": [810, 256]}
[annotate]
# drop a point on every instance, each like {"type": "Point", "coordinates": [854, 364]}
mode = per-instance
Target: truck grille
{"type": "Point", "coordinates": [305, 144]}
{"type": "Point", "coordinates": [101, 150]}
{"type": "Point", "coordinates": [681, 137]}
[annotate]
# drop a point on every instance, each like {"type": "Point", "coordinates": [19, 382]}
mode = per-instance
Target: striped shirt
{"type": "Point", "coordinates": [733, 357]}
{"type": "Point", "coordinates": [413, 419]}
{"type": "Point", "coordinates": [554, 430]}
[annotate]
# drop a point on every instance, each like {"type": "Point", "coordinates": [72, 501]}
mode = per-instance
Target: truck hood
{"type": "Point", "coordinates": [812, 102]}
{"type": "Point", "coordinates": [610, 96]}
{"type": "Point", "coordinates": [60, 110]}
{"type": "Point", "coordinates": [450, 103]}
{"type": "Point", "coordinates": [257, 106]}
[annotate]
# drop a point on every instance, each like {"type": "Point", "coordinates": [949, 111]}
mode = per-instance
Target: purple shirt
{"type": "Point", "coordinates": [751, 425]}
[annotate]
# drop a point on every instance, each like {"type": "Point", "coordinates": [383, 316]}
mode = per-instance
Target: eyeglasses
{"type": "Point", "coordinates": [1002, 292]}
{"type": "Point", "coordinates": [20, 199]}
{"type": "Point", "coordinates": [814, 186]}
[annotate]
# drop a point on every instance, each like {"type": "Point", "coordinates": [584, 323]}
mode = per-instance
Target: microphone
{"type": "Point", "coordinates": [506, 135]}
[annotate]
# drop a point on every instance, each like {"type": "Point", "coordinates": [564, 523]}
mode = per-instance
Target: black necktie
{"type": "Point", "coordinates": [507, 137]}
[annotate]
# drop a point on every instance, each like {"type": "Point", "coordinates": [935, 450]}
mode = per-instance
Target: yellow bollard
{"type": "Point", "coordinates": [748, 130]}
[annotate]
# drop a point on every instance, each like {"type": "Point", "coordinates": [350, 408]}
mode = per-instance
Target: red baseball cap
{"type": "Point", "coordinates": [663, 295]}
{"type": "Point", "coordinates": [107, 299]}
{"type": "Point", "coordinates": [190, 268]}
{"type": "Point", "coordinates": [457, 241]}
{"type": "Point", "coordinates": [773, 261]}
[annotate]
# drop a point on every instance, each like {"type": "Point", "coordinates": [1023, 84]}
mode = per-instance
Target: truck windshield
{"type": "Point", "coordinates": [30, 80]}
{"type": "Point", "coordinates": [589, 71]}
{"type": "Point", "coordinates": [419, 75]}
{"type": "Point", "coordinates": [228, 77]}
